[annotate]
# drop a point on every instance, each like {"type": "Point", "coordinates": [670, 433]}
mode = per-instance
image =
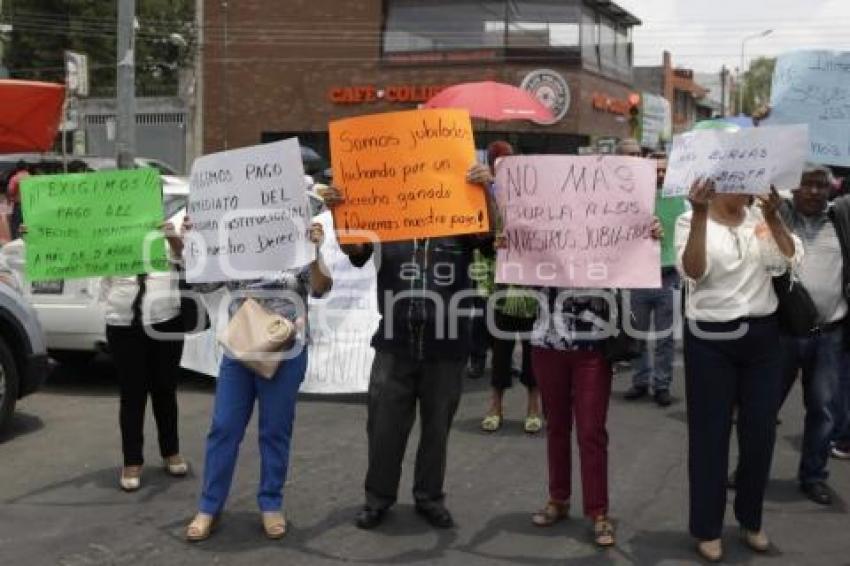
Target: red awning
{"type": "Point", "coordinates": [30, 113]}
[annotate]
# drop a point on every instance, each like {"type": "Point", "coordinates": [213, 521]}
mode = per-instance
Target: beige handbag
{"type": "Point", "coordinates": [257, 338]}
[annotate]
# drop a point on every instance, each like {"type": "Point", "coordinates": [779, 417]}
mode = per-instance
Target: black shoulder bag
{"type": "Point", "coordinates": [798, 315]}
{"type": "Point", "coordinates": [621, 347]}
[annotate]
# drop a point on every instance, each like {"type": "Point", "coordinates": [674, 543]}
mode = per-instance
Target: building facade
{"type": "Point", "coordinates": [272, 70]}
{"type": "Point", "coordinates": [680, 89]}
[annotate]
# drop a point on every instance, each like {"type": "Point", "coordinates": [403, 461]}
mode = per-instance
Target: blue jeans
{"type": "Point", "coordinates": [661, 304]}
{"type": "Point", "coordinates": [236, 391]}
{"type": "Point", "coordinates": [841, 402]}
{"type": "Point", "coordinates": [819, 359]}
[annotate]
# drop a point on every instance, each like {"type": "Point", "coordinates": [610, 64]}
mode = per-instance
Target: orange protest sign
{"type": "Point", "coordinates": [403, 175]}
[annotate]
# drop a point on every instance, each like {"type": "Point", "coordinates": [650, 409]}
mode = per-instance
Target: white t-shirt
{"type": "Point", "coordinates": [740, 263]}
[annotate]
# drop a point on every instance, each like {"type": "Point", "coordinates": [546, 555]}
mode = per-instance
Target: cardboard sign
{"type": "Point", "coordinates": [813, 87]}
{"type": "Point", "coordinates": [93, 224]}
{"type": "Point", "coordinates": [403, 175]}
{"type": "Point", "coordinates": [577, 222]}
{"type": "Point", "coordinates": [746, 161]}
{"type": "Point", "coordinates": [250, 214]}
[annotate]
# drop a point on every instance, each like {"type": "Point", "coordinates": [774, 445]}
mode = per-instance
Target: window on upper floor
{"type": "Point", "coordinates": [416, 26]}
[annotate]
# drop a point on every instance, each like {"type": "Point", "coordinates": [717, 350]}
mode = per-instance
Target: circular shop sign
{"type": "Point", "coordinates": [551, 89]}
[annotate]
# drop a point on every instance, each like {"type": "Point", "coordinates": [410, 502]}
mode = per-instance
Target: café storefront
{"type": "Point", "coordinates": [576, 57]}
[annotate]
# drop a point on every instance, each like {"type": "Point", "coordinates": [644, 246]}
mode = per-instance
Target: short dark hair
{"type": "Point", "coordinates": [498, 149]}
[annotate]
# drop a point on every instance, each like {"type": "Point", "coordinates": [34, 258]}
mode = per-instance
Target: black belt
{"type": "Point", "coordinates": [821, 329]}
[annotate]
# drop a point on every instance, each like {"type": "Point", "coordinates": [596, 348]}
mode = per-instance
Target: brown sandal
{"type": "Point", "coordinates": [201, 527]}
{"type": "Point", "coordinates": [274, 525]}
{"type": "Point", "coordinates": [552, 513]}
{"type": "Point", "coordinates": [603, 532]}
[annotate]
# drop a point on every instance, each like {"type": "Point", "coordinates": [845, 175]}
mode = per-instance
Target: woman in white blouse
{"type": "Point", "coordinates": [143, 330]}
{"type": "Point", "coordinates": [728, 252]}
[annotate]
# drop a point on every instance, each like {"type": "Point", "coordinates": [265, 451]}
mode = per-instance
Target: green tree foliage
{"type": "Point", "coordinates": [44, 29]}
{"type": "Point", "coordinates": [757, 82]}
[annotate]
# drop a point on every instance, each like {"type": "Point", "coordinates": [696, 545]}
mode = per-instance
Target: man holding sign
{"type": "Point", "coordinates": [408, 197]}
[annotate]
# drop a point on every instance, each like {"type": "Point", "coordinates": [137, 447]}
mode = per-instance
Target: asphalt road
{"type": "Point", "coordinates": [60, 503]}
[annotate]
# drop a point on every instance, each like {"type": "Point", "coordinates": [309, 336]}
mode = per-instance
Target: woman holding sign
{"type": "Point", "coordinates": [727, 253]}
{"type": "Point", "coordinates": [140, 310]}
{"type": "Point", "coordinates": [241, 384]}
{"type": "Point", "coordinates": [572, 351]}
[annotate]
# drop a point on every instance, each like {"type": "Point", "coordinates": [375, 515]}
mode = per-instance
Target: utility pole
{"type": "Point", "coordinates": [724, 73]}
{"type": "Point", "coordinates": [126, 134]}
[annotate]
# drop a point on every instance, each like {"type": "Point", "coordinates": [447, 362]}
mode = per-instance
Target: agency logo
{"type": "Point", "coordinates": [551, 89]}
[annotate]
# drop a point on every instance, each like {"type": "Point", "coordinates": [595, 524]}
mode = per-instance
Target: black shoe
{"type": "Point", "coordinates": [476, 369]}
{"type": "Point", "coordinates": [817, 492]}
{"type": "Point", "coordinates": [368, 518]}
{"type": "Point", "coordinates": [437, 515]}
{"type": "Point", "coordinates": [662, 398]}
{"type": "Point", "coordinates": [636, 392]}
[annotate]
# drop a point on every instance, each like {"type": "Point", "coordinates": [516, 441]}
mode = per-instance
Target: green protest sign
{"type": "Point", "coordinates": [668, 210]}
{"type": "Point", "coordinates": [93, 224]}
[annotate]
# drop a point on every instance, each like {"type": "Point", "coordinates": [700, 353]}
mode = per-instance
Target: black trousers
{"type": "Point", "coordinates": [720, 375]}
{"type": "Point", "coordinates": [480, 336]}
{"type": "Point", "coordinates": [397, 383]}
{"type": "Point", "coordinates": [146, 367]}
{"type": "Point", "coordinates": [503, 350]}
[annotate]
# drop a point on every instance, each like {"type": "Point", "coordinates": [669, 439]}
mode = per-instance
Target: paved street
{"type": "Point", "coordinates": [60, 504]}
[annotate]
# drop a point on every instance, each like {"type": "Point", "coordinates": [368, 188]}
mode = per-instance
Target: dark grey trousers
{"type": "Point", "coordinates": [396, 384]}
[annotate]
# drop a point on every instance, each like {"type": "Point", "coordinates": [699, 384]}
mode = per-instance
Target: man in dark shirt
{"type": "Point", "coordinates": [422, 345]}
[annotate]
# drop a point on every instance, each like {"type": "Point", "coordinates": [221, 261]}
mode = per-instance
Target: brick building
{"type": "Point", "coordinates": [274, 69]}
{"type": "Point", "coordinates": [680, 89]}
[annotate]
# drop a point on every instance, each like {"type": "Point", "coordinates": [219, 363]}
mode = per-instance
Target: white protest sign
{"type": "Point", "coordinates": [656, 120]}
{"type": "Point", "coordinates": [577, 221]}
{"type": "Point", "coordinates": [342, 323]}
{"type": "Point", "coordinates": [250, 214]}
{"type": "Point", "coordinates": [202, 352]}
{"type": "Point", "coordinates": [813, 87]}
{"type": "Point", "coordinates": [746, 161]}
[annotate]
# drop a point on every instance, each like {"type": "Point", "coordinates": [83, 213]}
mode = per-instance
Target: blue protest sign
{"type": "Point", "coordinates": [813, 87]}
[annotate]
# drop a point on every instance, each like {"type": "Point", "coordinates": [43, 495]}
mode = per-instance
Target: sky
{"type": "Point", "coordinates": [706, 34]}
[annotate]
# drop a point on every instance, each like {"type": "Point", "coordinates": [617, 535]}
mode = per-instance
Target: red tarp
{"type": "Point", "coordinates": [30, 113]}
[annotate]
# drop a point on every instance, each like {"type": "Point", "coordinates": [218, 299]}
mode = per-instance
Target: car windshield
{"type": "Point", "coordinates": [172, 204]}
{"type": "Point", "coordinates": [159, 166]}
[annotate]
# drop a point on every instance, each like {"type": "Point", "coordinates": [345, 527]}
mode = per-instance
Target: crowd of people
{"type": "Point", "coordinates": [728, 254]}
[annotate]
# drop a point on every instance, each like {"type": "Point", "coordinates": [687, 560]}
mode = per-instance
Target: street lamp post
{"type": "Point", "coordinates": [744, 41]}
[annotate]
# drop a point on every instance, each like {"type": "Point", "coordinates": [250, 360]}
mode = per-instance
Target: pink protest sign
{"type": "Point", "coordinates": [581, 222]}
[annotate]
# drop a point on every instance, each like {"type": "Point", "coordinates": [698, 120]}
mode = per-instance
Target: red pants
{"type": "Point", "coordinates": [580, 382]}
